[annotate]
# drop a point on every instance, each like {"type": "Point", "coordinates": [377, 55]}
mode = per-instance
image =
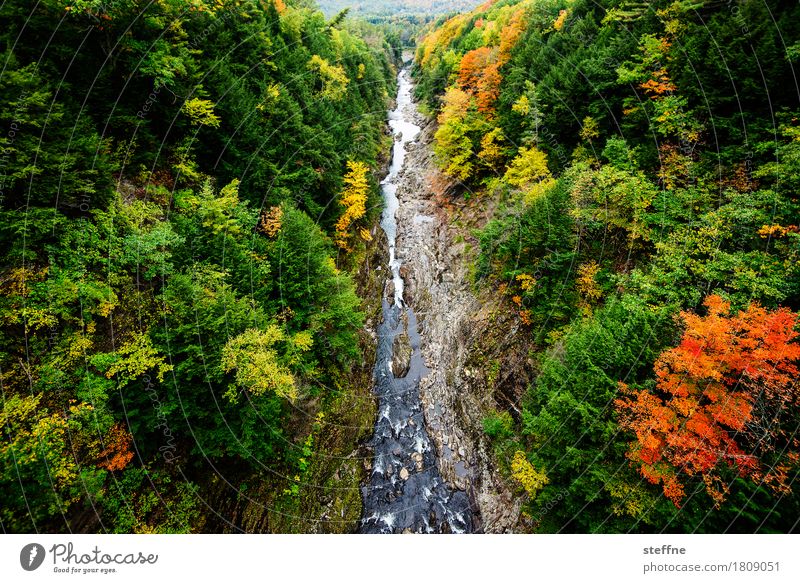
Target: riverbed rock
{"type": "Point", "coordinates": [388, 290]}
{"type": "Point", "coordinates": [455, 393]}
{"type": "Point", "coordinates": [401, 352]}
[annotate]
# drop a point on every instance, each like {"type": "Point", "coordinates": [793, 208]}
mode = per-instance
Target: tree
{"type": "Point", "coordinates": [455, 145]}
{"type": "Point", "coordinates": [334, 79]}
{"type": "Point", "coordinates": [200, 112]}
{"type": "Point", "coordinates": [132, 360]}
{"type": "Point", "coordinates": [724, 398]}
{"type": "Point", "coordinates": [528, 168]}
{"type": "Point", "coordinates": [313, 293]}
{"type": "Point", "coordinates": [480, 76]}
{"type": "Point", "coordinates": [613, 200]}
{"type": "Point", "coordinates": [116, 454]}
{"type": "Point", "coordinates": [258, 366]}
{"type": "Point", "coordinates": [354, 200]}
{"type": "Point", "coordinates": [531, 479]}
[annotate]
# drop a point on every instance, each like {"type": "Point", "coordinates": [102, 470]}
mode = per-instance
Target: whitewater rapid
{"type": "Point", "coordinates": [405, 492]}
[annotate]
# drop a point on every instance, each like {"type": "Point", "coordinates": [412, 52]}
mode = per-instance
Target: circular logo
{"type": "Point", "coordinates": [31, 556]}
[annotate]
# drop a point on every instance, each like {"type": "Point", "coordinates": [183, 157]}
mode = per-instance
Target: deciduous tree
{"type": "Point", "coordinates": [725, 397]}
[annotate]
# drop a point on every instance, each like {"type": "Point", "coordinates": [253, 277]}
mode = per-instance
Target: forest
{"type": "Point", "coordinates": [641, 162]}
{"type": "Point", "coordinates": [191, 265]}
{"type": "Point", "coordinates": [178, 315]}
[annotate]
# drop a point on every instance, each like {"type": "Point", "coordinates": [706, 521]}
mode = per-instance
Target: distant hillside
{"type": "Point", "coordinates": [395, 7]}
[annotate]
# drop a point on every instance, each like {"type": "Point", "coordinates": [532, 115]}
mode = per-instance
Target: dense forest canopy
{"type": "Point", "coordinates": [646, 159]}
{"type": "Point", "coordinates": [177, 312]}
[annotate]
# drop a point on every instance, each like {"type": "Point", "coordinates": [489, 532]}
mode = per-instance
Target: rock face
{"type": "Point", "coordinates": [401, 351]}
{"type": "Point", "coordinates": [452, 322]}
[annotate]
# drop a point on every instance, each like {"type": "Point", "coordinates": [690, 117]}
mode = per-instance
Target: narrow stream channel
{"type": "Point", "coordinates": [406, 492]}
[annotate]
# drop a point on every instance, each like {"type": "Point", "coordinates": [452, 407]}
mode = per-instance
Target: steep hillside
{"type": "Point", "coordinates": [187, 189]}
{"type": "Point", "coordinates": [638, 163]}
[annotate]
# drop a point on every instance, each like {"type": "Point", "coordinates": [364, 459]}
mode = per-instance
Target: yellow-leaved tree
{"type": "Point", "coordinates": [201, 112]}
{"type": "Point", "coordinates": [258, 366]}
{"type": "Point", "coordinates": [354, 200]}
{"type": "Point", "coordinates": [334, 79]}
{"type": "Point", "coordinates": [529, 167]}
{"type": "Point", "coordinates": [491, 149]}
{"type": "Point", "coordinates": [529, 172]}
{"type": "Point", "coordinates": [132, 360]}
{"type": "Point", "coordinates": [453, 147]}
{"type": "Point", "coordinates": [587, 286]}
{"type": "Point", "coordinates": [531, 479]}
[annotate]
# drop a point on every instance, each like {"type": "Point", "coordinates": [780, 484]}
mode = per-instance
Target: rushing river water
{"type": "Point", "coordinates": [405, 492]}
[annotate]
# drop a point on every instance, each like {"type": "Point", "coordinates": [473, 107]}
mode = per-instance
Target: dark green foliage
{"type": "Point", "coordinates": [536, 239]}
{"type": "Point", "coordinates": [671, 129]}
{"type": "Point", "coordinates": [148, 142]}
{"type": "Point", "coordinates": [569, 413]}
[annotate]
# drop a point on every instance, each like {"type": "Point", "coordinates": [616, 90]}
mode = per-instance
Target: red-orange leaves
{"type": "Point", "coordinates": [116, 453]}
{"type": "Point", "coordinates": [721, 394]}
{"type": "Point", "coordinates": [489, 88]}
{"type": "Point", "coordinates": [472, 65]}
{"type": "Point", "coordinates": [479, 75]}
{"type": "Point", "coordinates": [659, 84]}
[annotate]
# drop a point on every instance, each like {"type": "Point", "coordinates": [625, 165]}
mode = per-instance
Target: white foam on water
{"type": "Point", "coordinates": [404, 132]}
{"type": "Point", "coordinates": [388, 520]}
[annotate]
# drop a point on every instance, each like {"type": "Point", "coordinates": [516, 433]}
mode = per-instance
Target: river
{"type": "Point", "coordinates": [405, 491]}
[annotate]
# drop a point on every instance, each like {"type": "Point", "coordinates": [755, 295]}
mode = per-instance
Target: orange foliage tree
{"type": "Point", "coordinates": [479, 74]}
{"type": "Point", "coordinates": [723, 400]}
{"type": "Point", "coordinates": [116, 452]}
{"type": "Point", "coordinates": [511, 33]}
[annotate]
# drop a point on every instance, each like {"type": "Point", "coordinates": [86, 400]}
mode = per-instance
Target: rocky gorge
{"type": "Point", "coordinates": [432, 322]}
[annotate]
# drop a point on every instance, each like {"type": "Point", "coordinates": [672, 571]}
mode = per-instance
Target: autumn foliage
{"type": "Point", "coordinates": [511, 32]}
{"type": "Point", "coordinates": [479, 74]}
{"type": "Point", "coordinates": [116, 452]}
{"type": "Point", "coordinates": [354, 200]}
{"type": "Point", "coordinates": [722, 400]}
